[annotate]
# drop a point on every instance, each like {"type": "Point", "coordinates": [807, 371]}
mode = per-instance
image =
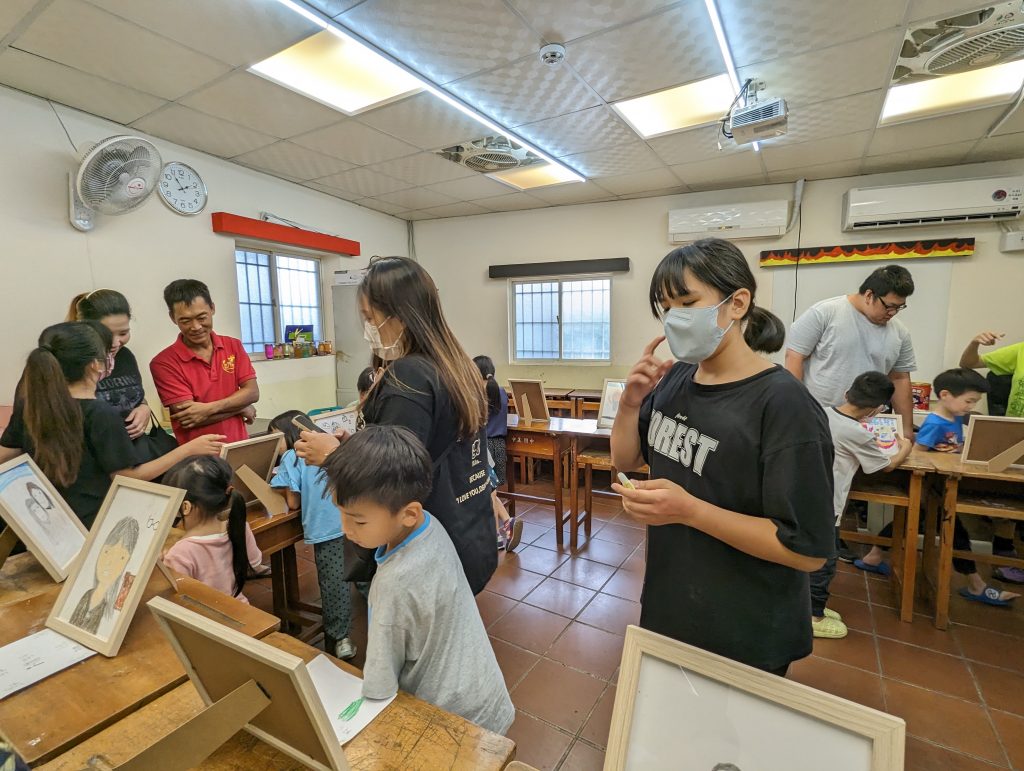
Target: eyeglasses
{"type": "Point", "coordinates": [892, 307]}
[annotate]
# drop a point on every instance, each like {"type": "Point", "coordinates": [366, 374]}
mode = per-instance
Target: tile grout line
{"type": "Point", "coordinates": [988, 714]}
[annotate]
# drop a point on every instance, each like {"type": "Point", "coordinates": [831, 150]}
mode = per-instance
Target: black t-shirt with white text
{"type": "Point", "coordinates": [759, 446]}
{"type": "Point", "coordinates": [413, 396]}
{"type": "Point", "coordinates": [122, 388]}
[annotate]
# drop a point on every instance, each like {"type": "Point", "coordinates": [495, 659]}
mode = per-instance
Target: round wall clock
{"type": "Point", "coordinates": [182, 189]}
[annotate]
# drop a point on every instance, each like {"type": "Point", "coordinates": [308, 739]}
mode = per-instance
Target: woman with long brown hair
{"type": "Point", "coordinates": [430, 386]}
{"type": "Point", "coordinates": [78, 440]}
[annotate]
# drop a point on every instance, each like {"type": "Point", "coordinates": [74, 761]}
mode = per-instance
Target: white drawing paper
{"type": "Point", "coordinates": [339, 691]}
{"type": "Point", "coordinates": [26, 661]}
{"type": "Point", "coordinates": [336, 421]}
{"type": "Point", "coordinates": [887, 430]}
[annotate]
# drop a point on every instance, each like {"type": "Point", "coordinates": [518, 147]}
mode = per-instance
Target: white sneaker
{"type": "Point", "coordinates": [345, 649]}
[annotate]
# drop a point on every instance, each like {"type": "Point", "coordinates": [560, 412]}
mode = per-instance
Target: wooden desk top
{"type": "Point", "coordinates": [59, 712]}
{"type": "Point", "coordinates": [410, 733]}
{"type": "Point", "coordinates": [22, 577]}
{"type": "Point", "coordinates": [951, 464]}
{"type": "Point", "coordinates": [586, 393]}
{"type": "Point", "coordinates": [570, 426]}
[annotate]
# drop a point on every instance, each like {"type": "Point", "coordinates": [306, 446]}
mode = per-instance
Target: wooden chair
{"type": "Point", "coordinates": [599, 458]}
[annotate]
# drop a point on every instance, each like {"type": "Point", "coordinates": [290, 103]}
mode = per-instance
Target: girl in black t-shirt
{"type": "Point", "coordinates": [77, 440]}
{"type": "Point", "coordinates": [739, 504]}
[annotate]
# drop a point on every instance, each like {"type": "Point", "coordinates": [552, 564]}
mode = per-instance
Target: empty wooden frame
{"type": "Point", "coordinates": [683, 708]}
{"type": "Point", "coordinates": [531, 403]}
{"type": "Point", "coordinates": [259, 454]}
{"type": "Point", "coordinates": [996, 441]}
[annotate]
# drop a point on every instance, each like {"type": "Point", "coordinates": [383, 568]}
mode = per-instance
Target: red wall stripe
{"type": "Point", "coordinates": [233, 224]}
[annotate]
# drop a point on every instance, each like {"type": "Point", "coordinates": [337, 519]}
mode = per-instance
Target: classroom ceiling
{"type": "Point", "coordinates": [177, 69]}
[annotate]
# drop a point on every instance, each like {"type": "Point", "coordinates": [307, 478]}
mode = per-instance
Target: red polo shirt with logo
{"type": "Point", "coordinates": [181, 376]}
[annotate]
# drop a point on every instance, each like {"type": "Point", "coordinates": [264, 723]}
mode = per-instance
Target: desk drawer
{"type": "Point", "coordinates": [531, 444]}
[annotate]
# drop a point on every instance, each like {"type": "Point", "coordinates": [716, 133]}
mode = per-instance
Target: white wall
{"type": "Point", "coordinates": [955, 298]}
{"type": "Point", "coordinates": [46, 262]}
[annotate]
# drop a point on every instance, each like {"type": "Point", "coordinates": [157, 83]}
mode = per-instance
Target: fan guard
{"type": "Point", "coordinates": [118, 174]}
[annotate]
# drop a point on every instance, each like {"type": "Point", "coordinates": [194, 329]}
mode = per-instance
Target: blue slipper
{"type": "Point", "coordinates": [882, 568]}
{"type": "Point", "coordinates": [989, 596]}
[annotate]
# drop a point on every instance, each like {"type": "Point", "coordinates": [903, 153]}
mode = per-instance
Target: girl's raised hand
{"type": "Point", "coordinates": [645, 375]}
{"type": "Point", "coordinates": [207, 444]}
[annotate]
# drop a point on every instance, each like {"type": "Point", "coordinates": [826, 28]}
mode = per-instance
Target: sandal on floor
{"type": "Point", "coordinates": [1009, 575]}
{"type": "Point", "coordinates": [829, 613]}
{"type": "Point", "coordinates": [882, 568]}
{"type": "Point", "coordinates": [988, 596]}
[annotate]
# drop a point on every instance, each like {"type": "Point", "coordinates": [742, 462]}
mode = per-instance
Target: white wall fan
{"type": "Point", "coordinates": [117, 175]}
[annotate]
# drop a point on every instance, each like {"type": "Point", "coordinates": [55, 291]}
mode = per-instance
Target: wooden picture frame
{"type": "Point", "coordinates": [611, 392]}
{"type": "Point", "coordinates": [333, 421]}
{"type": "Point", "coordinates": [995, 440]}
{"type": "Point", "coordinates": [531, 402]}
{"type": "Point", "coordinates": [40, 517]}
{"type": "Point", "coordinates": [887, 430]}
{"type": "Point", "coordinates": [97, 602]}
{"type": "Point", "coordinates": [726, 713]}
{"type": "Point", "coordinates": [260, 454]}
{"type": "Point", "coordinates": [220, 661]}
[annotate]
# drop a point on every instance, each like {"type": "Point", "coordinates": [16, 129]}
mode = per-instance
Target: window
{"type": "Point", "coordinates": [275, 291]}
{"type": "Point", "coordinates": [561, 319]}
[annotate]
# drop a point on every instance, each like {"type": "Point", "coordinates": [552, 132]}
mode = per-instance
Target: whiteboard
{"type": "Point", "coordinates": [685, 721]}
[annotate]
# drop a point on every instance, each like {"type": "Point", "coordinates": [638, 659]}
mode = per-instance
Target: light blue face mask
{"type": "Point", "coordinates": [693, 333]}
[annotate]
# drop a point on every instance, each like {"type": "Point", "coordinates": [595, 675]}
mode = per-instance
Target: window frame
{"type": "Point", "coordinates": [273, 254]}
{"type": "Point", "coordinates": [559, 279]}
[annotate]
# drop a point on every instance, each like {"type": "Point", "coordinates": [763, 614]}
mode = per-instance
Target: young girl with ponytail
{"type": "Point", "coordinates": [219, 547]}
{"type": "Point", "coordinates": [77, 440]}
{"type": "Point", "coordinates": [739, 503]}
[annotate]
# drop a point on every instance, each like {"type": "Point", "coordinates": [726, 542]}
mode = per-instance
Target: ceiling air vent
{"type": "Point", "coordinates": [490, 154]}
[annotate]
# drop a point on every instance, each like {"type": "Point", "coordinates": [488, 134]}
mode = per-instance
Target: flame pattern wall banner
{"type": "Point", "coordinates": [899, 250]}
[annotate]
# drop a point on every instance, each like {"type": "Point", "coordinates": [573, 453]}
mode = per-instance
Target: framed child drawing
{"type": "Point", "coordinates": [34, 510]}
{"type": "Point", "coordinates": [336, 421]}
{"type": "Point", "coordinates": [105, 585]}
{"type": "Point", "coordinates": [610, 396]}
{"type": "Point", "coordinates": [888, 430]}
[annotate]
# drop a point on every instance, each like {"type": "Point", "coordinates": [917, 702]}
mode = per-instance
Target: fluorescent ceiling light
{"type": "Point", "coordinates": [338, 71]}
{"type": "Point", "coordinates": [723, 46]}
{"type": "Point", "coordinates": [537, 175]}
{"type": "Point", "coordinates": [953, 93]}
{"type": "Point", "coordinates": [682, 107]}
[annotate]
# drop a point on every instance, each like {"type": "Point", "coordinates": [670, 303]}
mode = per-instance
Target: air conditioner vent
{"type": "Point", "coordinates": [933, 203]}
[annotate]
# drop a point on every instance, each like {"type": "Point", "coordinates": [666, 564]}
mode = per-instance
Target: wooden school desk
{"type": "Point", "coordinates": [22, 577]}
{"type": "Point", "coordinates": [410, 733]}
{"type": "Point", "coordinates": [57, 713]}
{"type": "Point", "coordinates": [972, 489]}
{"type": "Point", "coordinates": [585, 400]}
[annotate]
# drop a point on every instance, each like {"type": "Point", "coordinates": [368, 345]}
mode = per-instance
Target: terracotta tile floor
{"type": "Point", "coordinates": [556, 622]}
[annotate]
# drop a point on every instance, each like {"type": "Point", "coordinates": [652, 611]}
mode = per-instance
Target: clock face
{"type": "Point", "coordinates": [182, 188]}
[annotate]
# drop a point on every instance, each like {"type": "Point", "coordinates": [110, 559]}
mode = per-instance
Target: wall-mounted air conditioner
{"type": "Point", "coordinates": [761, 219]}
{"type": "Point", "coordinates": [933, 203]}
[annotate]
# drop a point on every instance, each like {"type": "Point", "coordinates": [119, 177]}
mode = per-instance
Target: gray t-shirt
{"type": "Point", "coordinates": [842, 344]}
{"type": "Point", "coordinates": [855, 448]}
{"type": "Point", "coordinates": [426, 636]}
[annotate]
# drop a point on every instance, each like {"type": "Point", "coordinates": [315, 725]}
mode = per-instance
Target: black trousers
{"type": "Point", "coordinates": [820, 580]}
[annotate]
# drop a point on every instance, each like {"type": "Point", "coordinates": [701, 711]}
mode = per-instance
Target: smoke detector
{"type": "Point", "coordinates": [490, 154]}
{"type": "Point", "coordinates": [552, 54]}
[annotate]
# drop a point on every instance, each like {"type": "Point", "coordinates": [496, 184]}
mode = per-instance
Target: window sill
{"type": "Point", "coordinates": [560, 362]}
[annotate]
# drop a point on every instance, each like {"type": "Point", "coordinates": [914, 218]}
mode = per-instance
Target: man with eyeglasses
{"type": "Point", "coordinates": [837, 339]}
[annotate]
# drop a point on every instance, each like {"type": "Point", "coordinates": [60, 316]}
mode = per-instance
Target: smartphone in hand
{"type": "Point", "coordinates": [304, 423]}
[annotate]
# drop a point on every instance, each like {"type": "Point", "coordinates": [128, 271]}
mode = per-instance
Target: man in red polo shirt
{"type": "Point", "coordinates": [206, 380]}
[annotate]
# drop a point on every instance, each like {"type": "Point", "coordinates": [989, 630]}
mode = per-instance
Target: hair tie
{"type": "Point", "coordinates": [47, 348]}
{"type": "Point", "coordinates": [489, 377]}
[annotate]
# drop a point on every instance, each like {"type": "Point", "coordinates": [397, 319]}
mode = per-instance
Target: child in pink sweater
{"type": "Point", "coordinates": [218, 547]}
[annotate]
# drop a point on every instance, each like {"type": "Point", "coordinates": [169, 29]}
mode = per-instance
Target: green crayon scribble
{"type": "Point", "coordinates": [351, 710]}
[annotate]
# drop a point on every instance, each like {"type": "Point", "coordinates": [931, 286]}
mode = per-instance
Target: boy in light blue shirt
{"type": "Point", "coordinates": [305, 489]}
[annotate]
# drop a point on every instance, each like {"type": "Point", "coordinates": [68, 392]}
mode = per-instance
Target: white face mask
{"type": "Point", "coordinates": [371, 334]}
{"type": "Point", "coordinates": [693, 333]}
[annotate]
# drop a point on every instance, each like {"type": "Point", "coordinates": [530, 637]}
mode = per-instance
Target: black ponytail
{"type": "Point", "coordinates": [719, 264]}
{"type": "Point", "coordinates": [491, 387]}
{"type": "Point", "coordinates": [236, 535]}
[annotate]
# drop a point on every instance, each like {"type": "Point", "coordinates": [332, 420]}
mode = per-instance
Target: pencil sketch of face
{"type": "Point", "coordinates": [97, 603]}
{"type": "Point", "coordinates": [39, 495]}
{"type": "Point", "coordinates": [39, 513]}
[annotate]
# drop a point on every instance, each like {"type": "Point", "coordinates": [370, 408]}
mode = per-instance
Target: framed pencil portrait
{"type": "Point", "coordinates": [99, 598]}
{"type": "Point", "coordinates": [610, 395]}
{"type": "Point", "coordinates": [258, 453]}
{"type": "Point", "coordinates": [679, 707]}
{"type": "Point", "coordinates": [40, 517]}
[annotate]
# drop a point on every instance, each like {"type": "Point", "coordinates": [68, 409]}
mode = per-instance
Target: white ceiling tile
{"type": "Point", "coordinates": [577, 132]}
{"type": "Point", "coordinates": [444, 39]}
{"type": "Point", "coordinates": [729, 184]}
{"type": "Point", "coordinates": [769, 29]}
{"type": "Point", "coordinates": [463, 209]}
{"type": "Point", "coordinates": [82, 36]}
{"type": "Point", "coordinates": [352, 141]}
{"type": "Point", "coordinates": [694, 145]}
{"type": "Point", "coordinates": [727, 166]}
{"type": "Point", "coordinates": [417, 198]}
{"type": "Point", "coordinates": [609, 161]}
{"type": "Point", "coordinates": [80, 90]}
{"type": "Point", "coordinates": [1013, 125]}
{"type": "Point", "coordinates": [422, 169]}
{"type": "Point", "coordinates": [422, 214]}
{"type": "Point", "coordinates": [337, 192]}
{"type": "Point", "coordinates": [253, 101]}
{"type": "Point", "coordinates": [365, 183]}
{"type": "Point", "coordinates": [819, 171]}
{"type": "Point", "coordinates": [426, 121]}
{"type": "Point", "coordinates": [924, 158]}
{"type": "Point", "coordinates": [381, 206]}
{"type": "Point", "coordinates": [924, 10]}
{"type": "Point", "coordinates": [202, 132]}
{"type": "Point", "coordinates": [676, 46]}
{"type": "Point", "coordinates": [641, 181]}
{"type": "Point", "coordinates": [292, 161]}
{"type": "Point", "coordinates": [998, 148]}
{"type": "Point", "coordinates": [833, 118]}
{"type": "Point", "coordinates": [817, 75]}
{"type": "Point", "coordinates": [569, 193]}
{"type": "Point", "coordinates": [333, 8]}
{"type": "Point", "coordinates": [569, 19]}
{"type": "Point", "coordinates": [512, 202]}
{"type": "Point", "coordinates": [654, 193]}
{"type": "Point", "coordinates": [239, 32]}
{"type": "Point", "coordinates": [470, 188]}
{"type": "Point", "coordinates": [790, 156]}
{"type": "Point", "coordinates": [11, 12]}
{"type": "Point", "coordinates": [933, 131]}
{"type": "Point", "coordinates": [524, 92]}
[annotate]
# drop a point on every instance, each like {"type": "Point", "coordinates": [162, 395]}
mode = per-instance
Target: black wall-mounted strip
{"type": "Point", "coordinates": [566, 268]}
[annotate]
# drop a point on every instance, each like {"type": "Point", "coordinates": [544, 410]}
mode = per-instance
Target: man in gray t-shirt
{"type": "Point", "coordinates": [837, 339]}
